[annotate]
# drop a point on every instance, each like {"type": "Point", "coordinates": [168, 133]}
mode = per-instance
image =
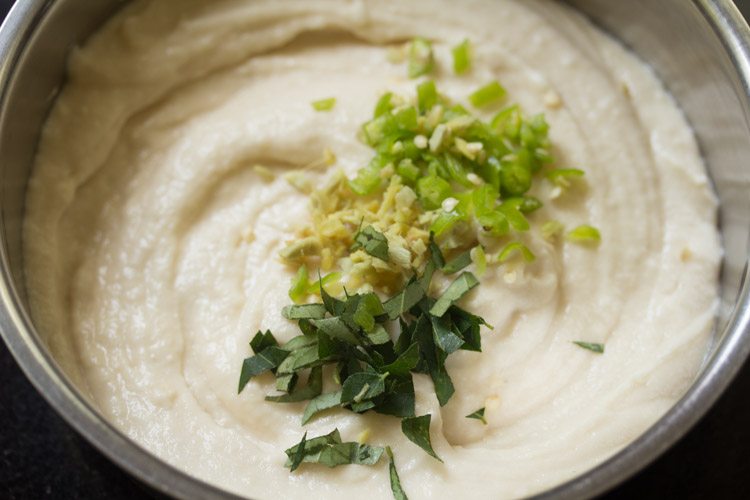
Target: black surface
{"type": "Point", "coordinates": [41, 457]}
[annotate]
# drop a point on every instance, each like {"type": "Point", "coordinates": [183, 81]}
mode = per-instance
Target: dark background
{"type": "Point", "coordinates": [41, 457]}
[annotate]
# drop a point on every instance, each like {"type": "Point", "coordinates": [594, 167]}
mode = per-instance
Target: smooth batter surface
{"type": "Point", "coordinates": [151, 243]}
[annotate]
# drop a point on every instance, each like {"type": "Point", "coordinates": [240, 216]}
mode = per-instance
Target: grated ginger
{"type": "Point", "coordinates": [337, 213]}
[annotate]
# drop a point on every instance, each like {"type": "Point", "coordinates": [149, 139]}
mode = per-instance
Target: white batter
{"type": "Point", "coordinates": [151, 243]}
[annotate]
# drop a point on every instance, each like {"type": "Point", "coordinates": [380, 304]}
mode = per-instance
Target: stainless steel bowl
{"type": "Point", "coordinates": [700, 49]}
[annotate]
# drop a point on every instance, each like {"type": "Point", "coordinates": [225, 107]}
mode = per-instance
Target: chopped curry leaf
{"type": "Point", "coordinates": [443, 384]}
{"type": "Point", "coordinates": [404, 300]}
{"type": "Point", "coordinates": [479, 415]}
{"type": "Point", "coordinates": [417, 429]}
{"type": "Point", "coordinates": [304, 357]}
{"type": "Point", "coordinates": [304, 311]}
{"type": "Point", "coordinates": [591, 346]}
{"type": "Point", "coordinates": [312, 389]}
{"type": "Point", "coordinates": [330, 451]}
{"type": "Point", "coordinates": [460, 287]}
{"type": "Point", "coordinates": [336, 328]}
{"type": "Point", "coordinates": [333, 305]}
{"type": "Point", "coordinates": [405, 363]}
{"type": "Point", "coordinates": [458, 263]}
{"type": "Point", "coordinates": [399, 399]}
{"type": "Point", "coordinates": [295, 458]}
{"type": "Point", "coordinates": [398, 491]}
{"type": "Point", "coordinates": [268, 359]}
{"type": "Point", "coordinates": [286, 382]}
{"type": "Point", "coordinates": [321, 403]}
{"type": "Point", "coordinates": [436, 255]}
{"type": "Point", "coordinates": [262, 340]}
{"type": "Point", "coordinates": [362, 386]}
{"type": "Point", "coordinates": [368, 308]}
{"type": "Point", "coordinates": [467, 326]}
{"type": "Point", "coordinates": [373, 242]}
{"type": "Point", "coordinates": [445, 339]}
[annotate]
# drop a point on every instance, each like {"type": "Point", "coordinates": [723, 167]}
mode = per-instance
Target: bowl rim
{"type": "Point", "coordinates": [46, 376]}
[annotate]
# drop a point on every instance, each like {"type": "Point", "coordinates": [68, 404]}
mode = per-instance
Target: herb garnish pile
{"type": "Point", "coordinates": [444, 190]}
{"type": "Point", "coordinates": [373, 372]}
